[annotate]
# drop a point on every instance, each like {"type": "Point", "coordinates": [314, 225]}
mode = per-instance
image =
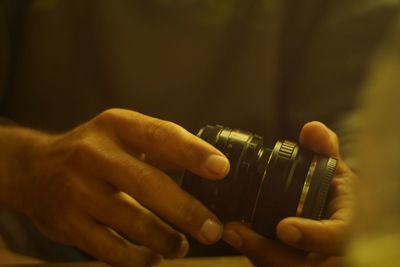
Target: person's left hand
{"type": "Point", "coordinates": [304, 241]}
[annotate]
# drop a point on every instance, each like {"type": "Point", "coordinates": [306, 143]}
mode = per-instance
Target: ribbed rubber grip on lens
{"type": "Point", "coordinates": [314, 206]}
{"type": "Point", "coordinates": [287, 149]}
{"type": "Point", "coordinates": [325, 186]}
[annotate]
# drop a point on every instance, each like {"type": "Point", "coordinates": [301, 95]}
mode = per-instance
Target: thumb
{"type": "Point", "coordinates": [326, 236]}
{"type": "Point", "coordinates": [317, 137]}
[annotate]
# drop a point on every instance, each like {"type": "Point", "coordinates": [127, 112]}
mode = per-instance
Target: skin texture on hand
{"type": "Point", "coordinates": [305, 242]}
{"type": "Point", "coordinates": [102, 188]}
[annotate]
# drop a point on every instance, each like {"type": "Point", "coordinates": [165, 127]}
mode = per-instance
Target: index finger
{"type": "Point", "coordinates": [166, 141]}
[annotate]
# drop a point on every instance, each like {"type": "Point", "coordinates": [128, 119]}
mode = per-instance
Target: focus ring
{"type": "Point", "coordinates": [286, 150]}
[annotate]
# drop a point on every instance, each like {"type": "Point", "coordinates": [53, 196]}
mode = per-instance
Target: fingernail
{"type": "Point", "coordinates": [180, 250]}
{"type": "Point", "coordinates": [217, 164]}
{"type": "Point", "coordinates": [233, 239]}
{"type": "Point", "coordinates": [183, 248]}
{"type": "Point", "coordinates": [290, 234]}
{"type": "Point", "coordinates": [211, 231]}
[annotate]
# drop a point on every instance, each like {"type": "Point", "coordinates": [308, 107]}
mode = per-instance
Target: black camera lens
{"type": "Point", "coordinates": [263, 185]}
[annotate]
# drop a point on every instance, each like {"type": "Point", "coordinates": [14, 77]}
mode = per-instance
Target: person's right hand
{"type": "Point", "coordinates": [101, 187]}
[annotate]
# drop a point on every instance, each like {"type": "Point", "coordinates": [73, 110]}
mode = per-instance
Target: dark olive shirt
{"type": "Point", "coordinates": [261, 65]}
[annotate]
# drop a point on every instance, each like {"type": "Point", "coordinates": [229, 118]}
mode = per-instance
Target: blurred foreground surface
{"type": "Point", "coordinates": [9, 258]}
{"type": "Point", "coordinates": [192, 262]}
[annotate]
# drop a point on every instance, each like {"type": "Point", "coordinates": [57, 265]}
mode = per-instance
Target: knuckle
{"type": "Point", "coordinates": [107, 116]}
{"type": "Point", "coordinates": [145, 180]}
{"type": "Point", "coordinates": [83, 151]}
{"type": "Point", "coordinates": [188, 213]}
{"type": "Point", "coordinates": [159, 131]}
{"type": "Point", "coordinates": [81, 148]}
{"type": "Point", "coordinates": [192, 151]}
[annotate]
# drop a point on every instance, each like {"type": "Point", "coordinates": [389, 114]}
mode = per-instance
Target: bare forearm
{"type": "Point", "coordinates": [17, 146]}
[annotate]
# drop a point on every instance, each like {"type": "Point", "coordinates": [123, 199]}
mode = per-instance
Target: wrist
{"type": "Point", "coordinates": [18, 148]}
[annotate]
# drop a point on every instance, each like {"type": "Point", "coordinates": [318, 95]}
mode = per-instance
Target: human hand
{"type": "Point", "coordinates": [271, 253]}
{"type": "Point", "coordinates": [101, 187]}
{"type": "Point", "coordinates": [326, 237]}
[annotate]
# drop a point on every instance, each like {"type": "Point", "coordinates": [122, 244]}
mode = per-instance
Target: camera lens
{"type": "Point", "coordinates": [263, 185]}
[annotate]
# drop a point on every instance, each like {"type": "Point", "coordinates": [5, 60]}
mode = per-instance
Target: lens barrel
{"type": "Point", "coordinates": [263, 185]}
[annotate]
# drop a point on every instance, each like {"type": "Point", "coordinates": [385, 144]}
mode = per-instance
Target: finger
{"type": "Point", "coordinates": [320, 139]}
{"type": "Point", "coordinates": [164, 141]}
{"type": "Point", "coordinates": [131, 220]}
{"type": "Point", "coordinates": [260, 250]}
{"type": "Point", "coordinates": [134, 222]}
{"type": "Point", "coordinates": [326, 236]}
{"type": "Point", "coordinates": [316, 137]}
{"type": "Point", "coordinates": [106, 246]}
{"type": "Point", "coordinates": [154, 190]}
{"type": "Point", "coordinates": [159, 193]}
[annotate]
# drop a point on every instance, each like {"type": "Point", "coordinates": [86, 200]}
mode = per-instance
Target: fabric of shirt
{"type": "Point", "coordinates": [261, 65]}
